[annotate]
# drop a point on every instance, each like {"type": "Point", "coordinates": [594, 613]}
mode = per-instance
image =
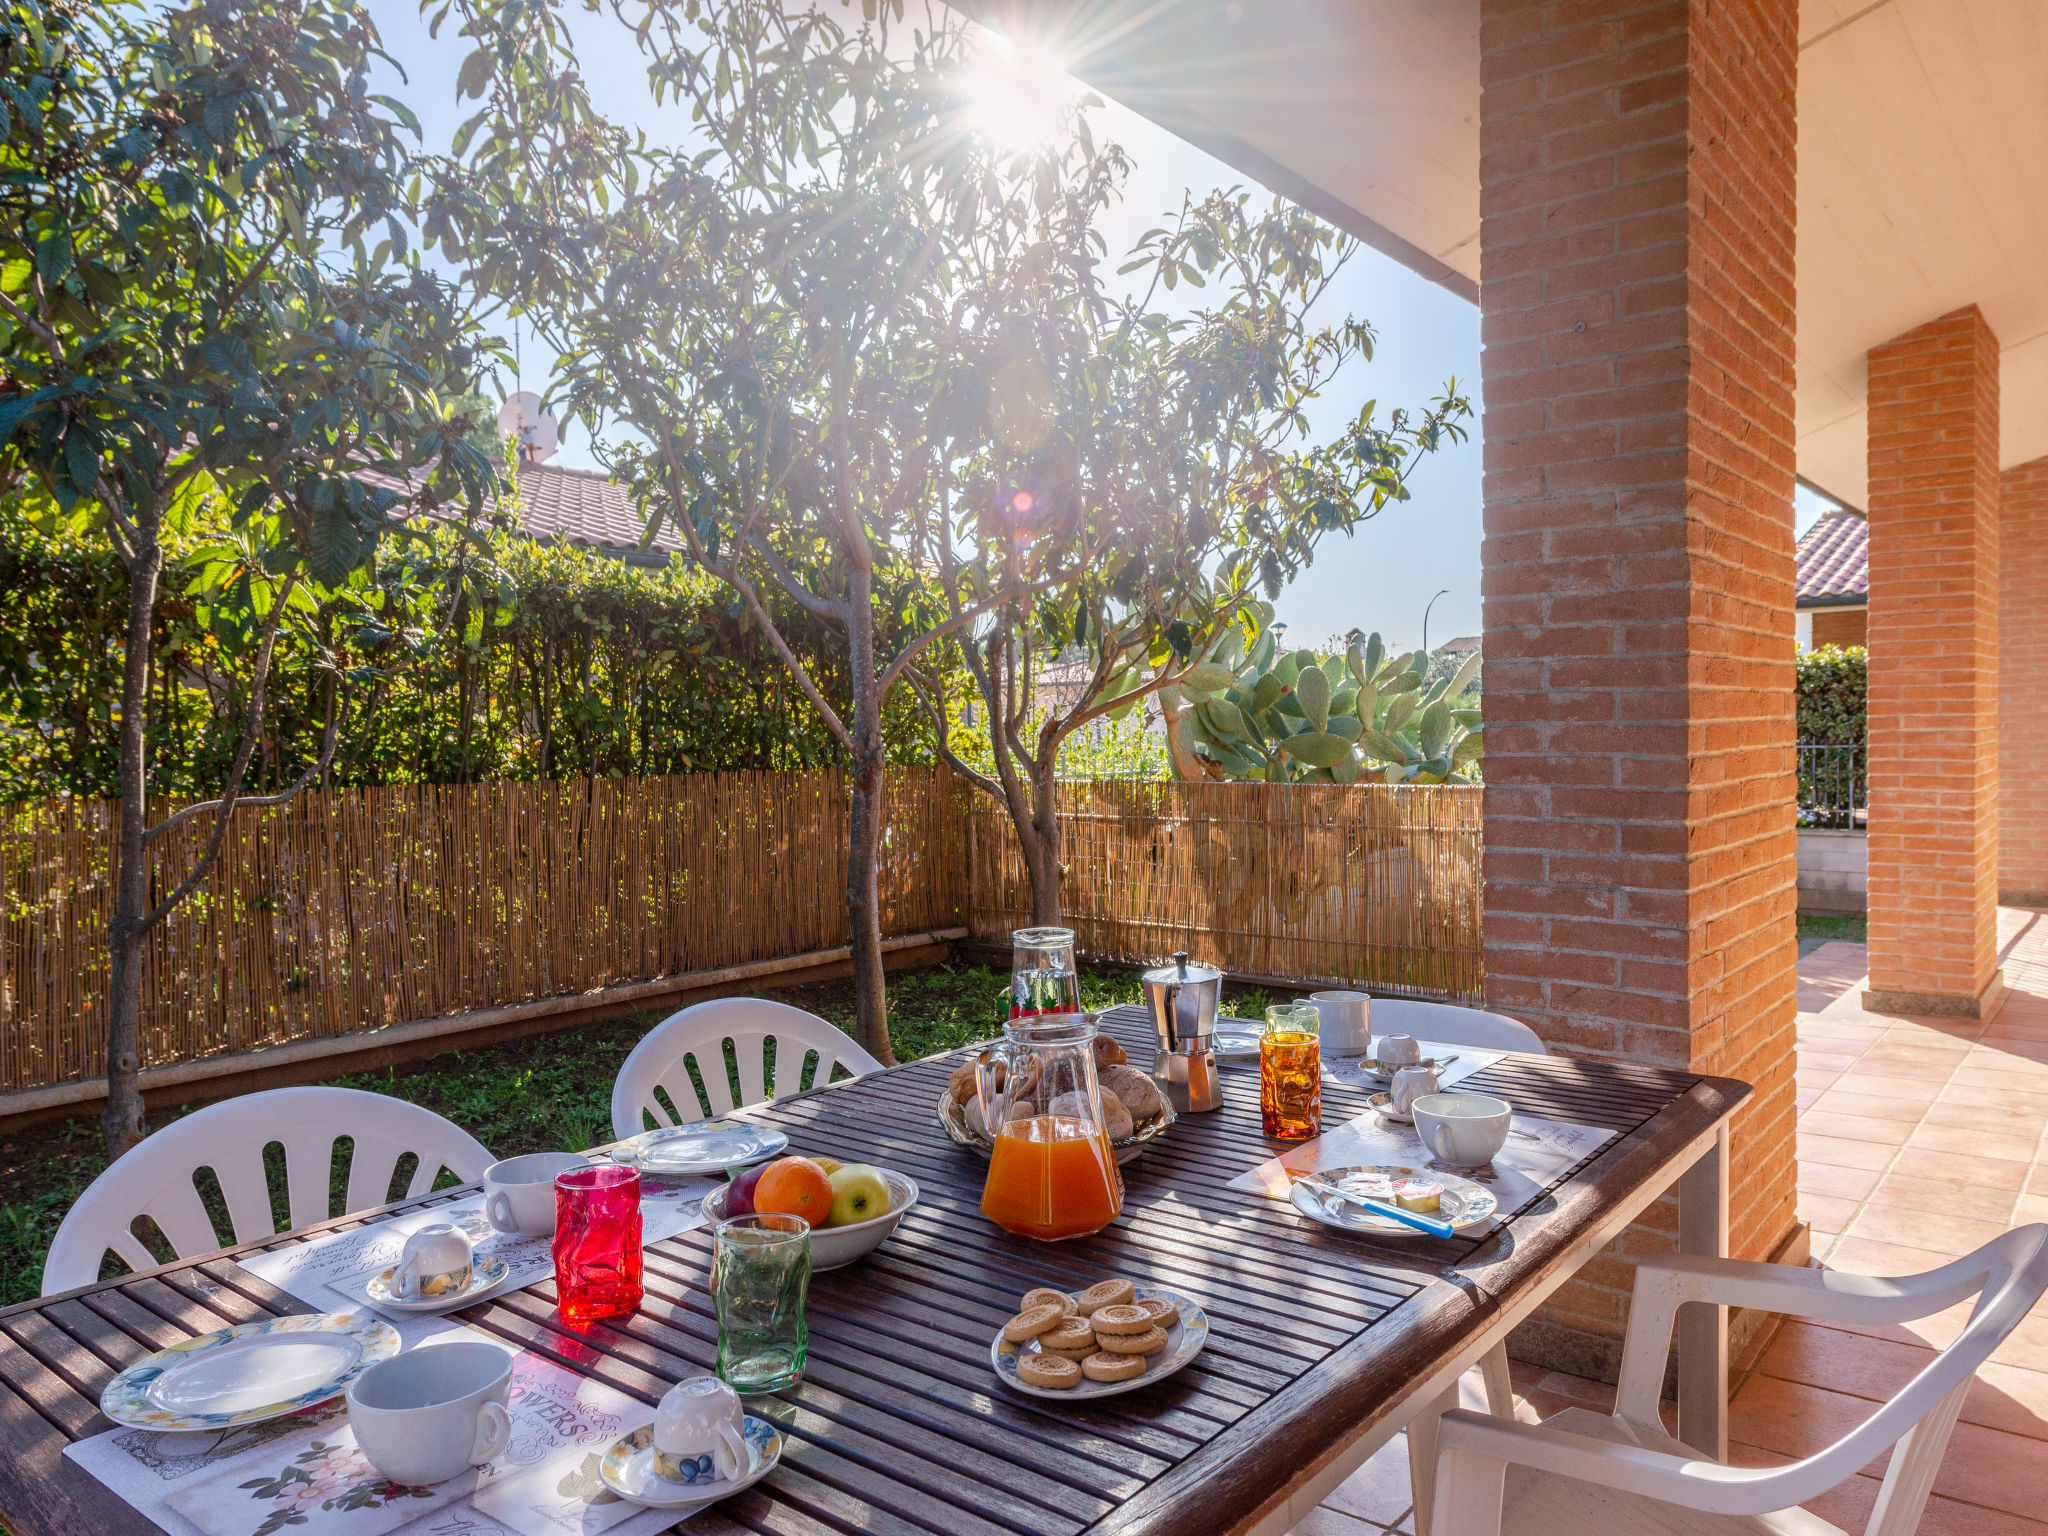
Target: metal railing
{"type": "Point", "coordinates": [1834, 785]}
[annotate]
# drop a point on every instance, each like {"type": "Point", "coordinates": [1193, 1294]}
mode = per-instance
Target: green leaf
{"type": "Point", "coordinates": [1312, 693]}
{"type": "Point", "coordinates": [1436, 728]}
{"type": "Point", "coordinates": [1318, 749]}
{"type": "Point", "coordinates": [475, 74]}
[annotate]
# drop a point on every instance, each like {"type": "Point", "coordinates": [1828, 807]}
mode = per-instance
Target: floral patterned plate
{"type": "Point", "coordinates": [1320, 1197]}
{"type": "Point", "coordinates": [628, 1469]}
{"type": "Point", "coordinates": [248, 1373]}
{"type": "Point", "coordinates": [1184, 1341]}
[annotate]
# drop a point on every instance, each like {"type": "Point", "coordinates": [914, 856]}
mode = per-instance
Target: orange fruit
{"type": "Point", "coordinates": [795, 1186]}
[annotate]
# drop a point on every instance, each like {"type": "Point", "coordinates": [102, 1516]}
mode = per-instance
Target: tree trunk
{"type": "Point", "coordinates": [121, 1120]}
{"type": "Point", "coordinates": [1039, 839]}
{"type": "Point", "coordinates": [865, 813]}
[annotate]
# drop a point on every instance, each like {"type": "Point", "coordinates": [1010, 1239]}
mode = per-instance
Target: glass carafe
{"type": "Point", "coordinates": [1042, 975]}
{"type": "Point", "coordinates": [1052, 1174]}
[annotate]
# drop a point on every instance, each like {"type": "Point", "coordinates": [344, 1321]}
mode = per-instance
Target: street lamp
{"type": "Point", "coordinates": [1425, 620]}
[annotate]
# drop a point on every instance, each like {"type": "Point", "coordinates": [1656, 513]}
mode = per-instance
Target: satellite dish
{"type": "Point", "coordinates": [522, 416]}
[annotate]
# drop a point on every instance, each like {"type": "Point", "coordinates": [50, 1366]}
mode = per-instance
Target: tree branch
{"type": "Point", "coordinates": [793, 584]}
{"type": "Point", "coordinates": [909, 652]}
{"type": "Point", "coordinates": [933, 698]}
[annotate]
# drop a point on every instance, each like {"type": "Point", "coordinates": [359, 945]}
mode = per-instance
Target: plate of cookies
{"type": "Point", "coordinates": [1114, 1337]}
{"type": "Point", "coordinates": [1133, 1108]}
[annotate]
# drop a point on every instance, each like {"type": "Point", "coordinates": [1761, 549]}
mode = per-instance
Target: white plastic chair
{"type": "Point", "coordinates": [1581, 1471]}
{"type": "Point", "coordinates": [661, 1061]}
{"type": "Point", "coordinates": [155, 1179]}
{"type": "Point", "coordinates": [1449, 1024]}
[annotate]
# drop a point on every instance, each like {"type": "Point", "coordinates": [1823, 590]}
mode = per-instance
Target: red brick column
{"type": "Point", "coordinates": [1636, 288]}
{"type": "Point", "coordinates": [1934, 670]}
{"type": "Point", "coordinates": [2023, 662]}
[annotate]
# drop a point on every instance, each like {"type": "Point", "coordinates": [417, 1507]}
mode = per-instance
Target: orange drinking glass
{"type": "Point", "coordinates": [1291, 1072]}
{"type": "Point", "coordinates": [1052, 1173]}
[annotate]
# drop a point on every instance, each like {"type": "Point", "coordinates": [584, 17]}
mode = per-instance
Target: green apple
{"type": "Point", "coordinates": [859, 1193]}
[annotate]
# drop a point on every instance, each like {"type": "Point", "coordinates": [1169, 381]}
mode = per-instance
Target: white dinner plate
{"type": "Point", "coordinates": [1465, 1204]}
{"type": "Point", "coordinates": [628, 1469]}
{"type": "Point", "coordinates": [1237, 1039]}
{"type": "Point", "coordinates": [1184, 1341]}
{"type": "Point", "coordinates": [248, 1373]}
{"type": "Point", "coordinates": [709, 1146]}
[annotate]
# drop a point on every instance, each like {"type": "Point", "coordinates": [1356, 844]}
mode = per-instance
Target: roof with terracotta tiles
{"type": "Point", "coordinates": [581, 506]}
{"type": "Point", "coordinates": [1834, 562]}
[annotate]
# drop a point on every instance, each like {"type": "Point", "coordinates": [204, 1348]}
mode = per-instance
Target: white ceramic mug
{"type": "Point", "coordinates": [1462, 1130]}
{"type": "Point", "coordinates": [1347, 1022]}
{"type": "Point", "coordinates": [435, 1260]}
{"type": "Point", "coordinates": [1410, 1084]}
{"type": "Point", "coordinates": [698, 1418]}
{"type": "Point", "coordinates": [519, 1193]}
{"type": "Point", "coordinates": [426, 1415]}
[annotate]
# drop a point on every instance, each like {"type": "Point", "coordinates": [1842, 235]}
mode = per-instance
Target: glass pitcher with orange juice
{"type": "Point", "coordinates": [1052, 1174]}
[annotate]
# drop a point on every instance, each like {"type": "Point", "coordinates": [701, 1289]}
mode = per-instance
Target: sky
{"type": "Point", "coordinates": [1381, 577]}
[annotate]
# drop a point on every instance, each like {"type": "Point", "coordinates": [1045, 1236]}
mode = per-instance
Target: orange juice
{"type": "Point", "coordinates": [1052, 1176]}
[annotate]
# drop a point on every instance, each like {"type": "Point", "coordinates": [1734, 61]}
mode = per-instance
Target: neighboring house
{"type": "Point", "coordinates": [576, 506]}
{"type": "Point", "coordinates": [1833, 587]}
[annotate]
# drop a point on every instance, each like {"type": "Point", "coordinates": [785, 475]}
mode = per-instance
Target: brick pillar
{"type": "Point", "coordinates": [1636, 291]}
{"type": "Point", "coordinates": [2023, 662]}
{"type": "Point", "coordinates": [1934, 670]}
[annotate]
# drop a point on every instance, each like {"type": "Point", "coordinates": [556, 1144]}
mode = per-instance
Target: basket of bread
{"type": "Point", "coordinates": [1133, 1109]}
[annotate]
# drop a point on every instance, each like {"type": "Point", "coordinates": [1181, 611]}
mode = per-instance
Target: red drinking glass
{"type": "Point", "coordinates": [597, 1242]}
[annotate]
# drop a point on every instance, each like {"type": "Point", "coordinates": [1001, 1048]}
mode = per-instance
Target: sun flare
{"type": "Point", "coordinates": [1017, 94]}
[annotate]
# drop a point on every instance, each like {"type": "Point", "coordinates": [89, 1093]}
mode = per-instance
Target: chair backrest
{"type": "Point", "coordinates": [699, 1032]}
{"type": "Point", "coordinates": [155, 1179]}
{"type": "Point", "coordinates": [1449, 1024]}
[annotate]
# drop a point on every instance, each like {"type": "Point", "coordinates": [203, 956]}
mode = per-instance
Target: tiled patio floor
{"type": "Point", "coordinates": [1918, 1140]}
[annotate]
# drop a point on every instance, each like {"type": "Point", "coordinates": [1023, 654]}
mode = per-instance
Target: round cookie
{"type": "Point", "coordinates": [1071, 1334]}
{"type": "Point", "coordinates": [1150, 1342]}
{"type": "Point", "coordinates": [1107, 1367]}
{"type": "Point", "coordinates": [1163, 1312]}
{"type": "Point", "coordinates": [1075, 1355]}
{"type": "Point", "coordinates": [1031, 1322]}
{"type": "Point", "coordinates": [1045, 1294]}
{"type": "Point", "coordinates": [1055, 1371]}
{"type": "Point", "coordinates": [1124, 1318]}
{"type": "Point", "coordinates": [1104, 1293]}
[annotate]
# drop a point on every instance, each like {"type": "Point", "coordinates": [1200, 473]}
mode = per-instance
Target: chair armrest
{"type": "Point", "coordinates": [1475, 1451]}
{"type": "Point", "coordinates": [1666, 1282]}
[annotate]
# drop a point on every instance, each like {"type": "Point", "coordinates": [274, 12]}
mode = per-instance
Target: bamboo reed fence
{"type": "Point", "coordinates": [354, 909]}
{"type": "Point", "coordinates": [1369, 885]}
{"type": "Point", "coordinates": [348, 910]}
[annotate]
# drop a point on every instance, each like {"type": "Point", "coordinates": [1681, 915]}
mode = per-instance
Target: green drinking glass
{"type": "Point", "coordinates": [760, 1275]}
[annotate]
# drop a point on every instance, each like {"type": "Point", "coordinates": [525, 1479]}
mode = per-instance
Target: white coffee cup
{"type": "Point", "coordinates": [1410, 1084]}
{"type": "Point", "coordinates": [1462, 1130]}
{"type": "Point", "coordinates": [1399, 1051]}
{"type": "Point", "coordinates": [435, 1260]}
{"type": "Point", "coordinates": [519, 1193]}
{"type": "Point", "coordinates": [1347, 1022]}
{"type": "Point", "coordinates": [699, 1418]}
{"type": "Point", "coordinates": [426, 1415]}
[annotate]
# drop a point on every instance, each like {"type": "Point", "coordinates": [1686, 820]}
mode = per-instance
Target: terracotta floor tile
{"type": "Point", "coordinates": [1848, 1504]}
{"type": "Point", "coordinates": [1905, 1089]}
{"type": "Point", "coordinates": [1379, 1491]}
{"type": "Point", "coordinates": [2018, 1055]}
{"type": "Point", "coordinates": [1842, 1183]}
{"type": "Point", "coordinates": [1984, 1172]}
{"type": "Point", "coordinates": [2035, 1181]}
{"type": "Point", "coordinates": [1817, 1355]}
{"type": "Point", "coordinates": [1937, 1232]}
{"type": "Point", "coordinates": [2005, 1121]}
{"type": "Point", "coordinates": [1945, 1197]}
{"type": "Point", "coordinates": [1861, 1255]}
{"type": "Point", "coordinates": [1843, 1152]}
{"type": "Point", "coordinates": [1974, 1143]}
{"type": "Point", "coordinates": [2004, 1095]}
{"type": "Point", "coordinates": [1586, 1394]}
{"type": "Point", "coordinates": [1802, 1099]}
{"type": "Point", "coordinates": [1871, 1106]}
{"type": "Point", "coordinates": [1993, 1468]}
{"type": "Point", "coordinates": [1325, 1521]}
{"type": "Point", "coordinates": [1827, 1213]}
{"type": "Point", "coordinates": [2026, 1346]}
{"type": "Point", "coordinates": [2002, 1071]}
{"type": "Point", "coordinates": [1952, 1517]}
{"type": "Point", "coordinates": [1790, 1418]}
{"type": "Point", "coordinates": [1820, 1060]}
{"type": "Point", "coordinates": [1937, 1330]}
{"type": "Point", "coordinates": [1890, 1133]}
{"type": "Point", "coordinates": [2010, 1398]}
{"type": "Point", "coordinates": [2030, 1208]}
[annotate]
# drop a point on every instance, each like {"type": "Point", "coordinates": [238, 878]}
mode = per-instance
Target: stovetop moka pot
{"type": "Point", "coordinates": [1184, 1000]}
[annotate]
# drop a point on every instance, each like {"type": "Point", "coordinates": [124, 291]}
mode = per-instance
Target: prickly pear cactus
{"type": "Point", "coordinates": [1297, 717]}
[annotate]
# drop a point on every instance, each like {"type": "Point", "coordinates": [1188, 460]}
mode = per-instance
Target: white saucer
{"type": "Point", "coordinates": [628, 1469]}
{"type": "Point", "coordinates": [485, 1276]}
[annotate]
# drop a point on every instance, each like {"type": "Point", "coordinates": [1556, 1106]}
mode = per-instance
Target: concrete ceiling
{"type": "Point", "coordinates": [1922, 181]}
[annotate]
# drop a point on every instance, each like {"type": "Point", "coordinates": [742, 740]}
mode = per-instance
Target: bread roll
{"type": "Point", "coordinates": [1140, 1094]}
{"type": "Point", "coordinates": [1116, 1119]}
{"type": "Point", "coordinates": [1108, 1053]}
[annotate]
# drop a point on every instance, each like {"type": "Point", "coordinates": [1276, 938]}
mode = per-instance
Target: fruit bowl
{"type": "Point", "coordinates": [833, 1247]}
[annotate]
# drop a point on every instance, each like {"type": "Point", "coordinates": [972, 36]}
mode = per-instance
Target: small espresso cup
{"type": "Point", "coordinates": [1410, 1084]}
{"type": "Point", "coordinates": [519, 1193]}
{"type": "Point", "coordinates": [435, 1260]}
{"type": "Point", "coordinates": [1347, 1022]}
{"type": "Point", "coordinates": [700, 1432]}
{"type": "Point", "coordinates": [426, 1415]}
{"type": "Point", "coordinates": [1462, 1130]}
{"type": "Point", "coordinates": [1399, 1051]}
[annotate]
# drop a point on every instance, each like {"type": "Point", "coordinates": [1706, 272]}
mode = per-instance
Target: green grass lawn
{"type": "Point", "coordinates": [1814, 926]}
{"type": "Point", "coordinates": [539, 1094]}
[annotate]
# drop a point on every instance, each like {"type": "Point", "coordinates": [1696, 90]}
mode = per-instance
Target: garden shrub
{"type": "Point", "coordinates": [1833, 694]}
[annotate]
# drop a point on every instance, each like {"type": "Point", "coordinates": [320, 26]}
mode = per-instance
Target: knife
{"type": "Point", "coordinates": [1433, 1225]}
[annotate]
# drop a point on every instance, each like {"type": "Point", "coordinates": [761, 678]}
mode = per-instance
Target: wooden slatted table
{"type": "Point", "coordinates": [1322, 1345]}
